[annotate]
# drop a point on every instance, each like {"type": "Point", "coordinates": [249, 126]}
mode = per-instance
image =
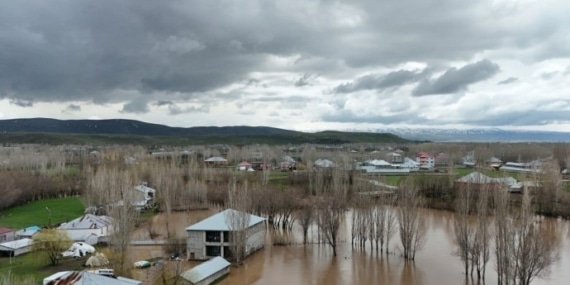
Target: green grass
{"type": "Point", "coordinates": [35, 265]}
{"type": "Point", "coordinates": [36, 214]}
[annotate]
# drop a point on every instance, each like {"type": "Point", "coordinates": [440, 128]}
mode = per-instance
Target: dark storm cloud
{"type": "Point", "coordinates": [160, 103]}
{"type": "Point", "coordinates": [79, 50]}
{"type": "Point", "coordinates": [71, 108]}
{"type": "Point", "coordinates": [508, 81]}
{"type": "Point", "coordinates": [136, 107]}
{"type": "Point", "coordinates": [174, 109]}
{"type": "Point", "coordinates": [457, 79]}
{"type": "Point", "coordinates": [380, 82]}
{"type": "Point", "coordinates": [22, 103]}
{"type": "Point", "coordinates": [303, 80]}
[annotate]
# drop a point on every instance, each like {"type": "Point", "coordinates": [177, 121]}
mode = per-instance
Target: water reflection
{"type": "Point", "coordinates": [313, 264]}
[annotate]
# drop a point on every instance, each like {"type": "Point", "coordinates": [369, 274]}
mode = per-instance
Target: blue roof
{"type": "Point", "coordinates": [28, 231]}
{"type": "Point", "coordinates": [220, 221]}
{"type": "Point", "coordinates": [205, 270]}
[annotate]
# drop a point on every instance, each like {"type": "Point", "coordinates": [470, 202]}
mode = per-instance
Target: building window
{"type": "Point", "coordinates": [213, 237]}
{"type": "Point", "coordinates": [213, 251]}
{"type": "Point", "coordinates": [227, 252]}
{"type": "Point", "coordinates": [226, 236]}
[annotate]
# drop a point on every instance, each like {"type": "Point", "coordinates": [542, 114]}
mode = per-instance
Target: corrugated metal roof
{"type": "Point", "coordinates": [15, 244]}
{"type": "Point", "coordinates": [221, 221]}
{"type": "Point", "coordinates": [205, 269]}
{"type": "Point", "coordinates": [86, 278]}
{"type": "Point", "coordinates": [88, 221]}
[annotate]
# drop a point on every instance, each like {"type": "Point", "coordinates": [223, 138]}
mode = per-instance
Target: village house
{"type": "Point", "coordinates": [7, 234]}
{"type": "Point", "coordinates": [442, 160]}
{"type": "Point", "coordinates": [480, 181]}
{"type": "Point", "coordinates": [531, 167]}
{"type": "Point", "coordinates": [211, 237]}
{"type": "Point", "coordinates": [90, 229]}
{"type": "Point", "coordinates": [425, 160]}
{"type": "Point", "coordinates": [244, 166]}
{"type": "Point", "coordinates": [395, 158]}
{"type": "Point", "coordinates": [215, 161]}
{"type": "Point", "coordinates": [469, 159]}
{"type": "Point", "coordinates": [324, 163]}
{"type": "Point", "coordinates": [207, 273]}
{"type": "Point", "coordinates": [287, 163]}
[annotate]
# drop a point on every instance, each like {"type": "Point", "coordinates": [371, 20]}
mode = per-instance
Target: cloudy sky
{"type": "Point", "coordinates": [304, 65]}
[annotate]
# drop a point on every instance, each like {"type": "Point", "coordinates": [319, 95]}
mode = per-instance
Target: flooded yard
{"type": "Point", "coordinates": [314, 264]}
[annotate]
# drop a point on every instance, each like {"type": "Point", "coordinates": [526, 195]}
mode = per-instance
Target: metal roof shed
{"type": "Point", "coordinates": [207, 272]}
{"type": "Point", "coordinates": [17, 247]}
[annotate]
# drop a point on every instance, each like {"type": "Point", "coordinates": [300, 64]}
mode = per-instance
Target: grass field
{"type": "Point", "coordinates": [35, 265]}
{"type": "Point", "coordinates": [36, 214]}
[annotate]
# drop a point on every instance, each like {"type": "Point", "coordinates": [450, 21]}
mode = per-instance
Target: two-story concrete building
{"type": "Point", "coordinates": [211, 237]}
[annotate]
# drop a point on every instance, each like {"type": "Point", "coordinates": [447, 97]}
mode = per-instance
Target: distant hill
{"type": "Point", "coordinates": [125, 127]}
{"type": "Point", "coordinates": [119, 131]}
{"type": "Point", "coordinates": [477, 135]}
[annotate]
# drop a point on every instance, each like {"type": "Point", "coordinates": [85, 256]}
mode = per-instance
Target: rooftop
{"type": "Point", "coordinates": [15, 244]}
{"type": "Point", "coordinates": [221, 221]}
{"type": "Point", "coordinates": [5, 230]}
{"type": "Point", "coordinates": [28, 231]}
{"type": "Point", "coordinates": [86, 278]}
{"type": "Point", "coordinates": [88, 221]}
{"type": "Point", "coordinates": [204, 270]}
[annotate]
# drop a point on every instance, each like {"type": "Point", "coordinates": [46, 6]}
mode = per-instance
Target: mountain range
{"type": "Point", "coordinates": [122, 127]}
{"type": "Point", "coordinates": [476, 135]}
{"type": "Point", "coordinates": [119, 131]}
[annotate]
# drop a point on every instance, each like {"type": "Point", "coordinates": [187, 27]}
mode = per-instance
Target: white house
{"type": "Point", "coordinates": [211, 236]}
{"type": "Point", "coordinates": [324, 163]}
{"type": "Point", "coordinates": [89, 228]}
{"type": "Point", "coordinates": [208, 272]}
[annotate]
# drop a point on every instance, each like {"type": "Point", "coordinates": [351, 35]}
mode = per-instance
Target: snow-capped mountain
{"type": "Point", "coordinates": [476, 135]}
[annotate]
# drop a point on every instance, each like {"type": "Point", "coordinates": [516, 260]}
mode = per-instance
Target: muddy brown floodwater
{"type": "Point", "coordinates": [314, 264]}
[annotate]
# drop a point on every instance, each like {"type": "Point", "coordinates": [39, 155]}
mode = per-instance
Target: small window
{"type": "Point", "coordinates": [213, 236]}
{"type": "Point", "coordinates": [213, 251]}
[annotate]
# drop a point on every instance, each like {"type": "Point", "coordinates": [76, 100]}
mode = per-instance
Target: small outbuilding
{"type": "Point", "coordinates": [16, 247]}
{"type": "Point", "coordinates": [28, 232]}
{"type": "Point", "coordinates": [208, 272]}
{"type": "Point", "coordinates": [6, 234]}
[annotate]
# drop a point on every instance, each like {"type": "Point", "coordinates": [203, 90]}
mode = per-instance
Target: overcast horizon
{"type": "Point", "coordinates": [301, 65]}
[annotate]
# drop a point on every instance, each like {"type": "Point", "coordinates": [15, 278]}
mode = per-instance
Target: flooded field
{"type": "Point", "coordinates": [315, 265]}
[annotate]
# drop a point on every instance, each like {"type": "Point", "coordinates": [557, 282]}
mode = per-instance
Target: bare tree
{"type": "Point", "coordinates": [238, 221]}
{"type": "Point", "coordinates": [331, 206]}
{"type": "Point", "coordinates": [524, 246]}
{"type": "Point", "coordinates": [410, 225]}
{"type": "Point", "coordinates": [464, 231]}
{"type": "Point", "coordinates": [305, 215]}
{"type": "Point", "coordinates": [481, 251]}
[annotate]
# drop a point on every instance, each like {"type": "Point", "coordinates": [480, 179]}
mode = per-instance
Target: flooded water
{"type": "Point", "coordinates": [314, 264]}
